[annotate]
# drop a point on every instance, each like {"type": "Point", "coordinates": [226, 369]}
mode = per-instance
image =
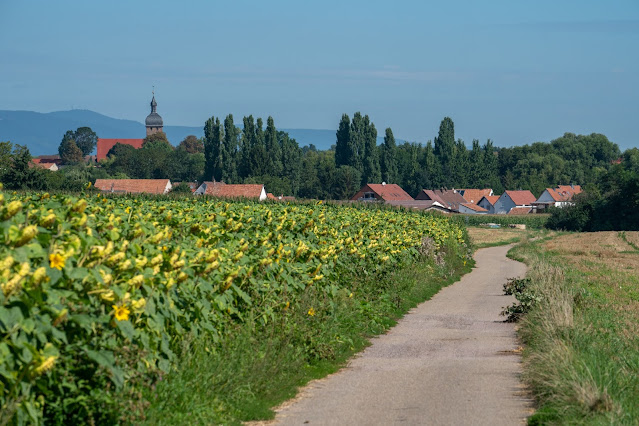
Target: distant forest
{"type": "Point", "coordinates": [261, 154]}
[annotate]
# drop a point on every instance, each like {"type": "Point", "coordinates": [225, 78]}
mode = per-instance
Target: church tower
{"type": "Point", "coordinates": [153, 121]}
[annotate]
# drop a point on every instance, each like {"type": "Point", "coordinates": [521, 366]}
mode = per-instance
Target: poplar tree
{"type": "Point", "coordinates": [273, 149]}
{"type": "Point", "coordinates": [445, 149]}
{"type": "Point", "coordinates": [355, 146]}
{"type": "Point", "coordinates": [343, 141]}
{"type": "Point", "coordinates": [291, 160]}
{"type": "Point", "coordinates": [388, 161]}
{"type": "Point", "coordinates": [370, 158]}
{"type": "Point", "coordinates": [247, 141]}
{"type": "Point", "coordinates": [431, 169]}
{"type": "Point", "coordinates": [230, 160]}
{"type": "Point", "coordinates": [212, 148]}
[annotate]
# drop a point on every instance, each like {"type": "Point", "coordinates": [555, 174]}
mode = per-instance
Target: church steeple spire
{"type": "Point", "coordinates": [153, 122]}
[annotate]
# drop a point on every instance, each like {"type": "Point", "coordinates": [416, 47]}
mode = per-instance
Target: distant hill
{"type": "Point", "coordinates": [42, 132]}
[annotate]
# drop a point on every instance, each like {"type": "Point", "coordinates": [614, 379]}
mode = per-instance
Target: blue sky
{"type": "Point", "coordinates": [513, 71]}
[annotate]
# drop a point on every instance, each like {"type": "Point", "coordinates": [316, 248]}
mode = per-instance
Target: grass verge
{"type": "Point", "coordinates": [582, 336]}
{"type": "Point", "coordinates": [250, 371]}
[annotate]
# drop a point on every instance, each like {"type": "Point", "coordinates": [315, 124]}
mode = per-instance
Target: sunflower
{"type": "Point", "coordinates": [121, 312]}
{"type": "Point", "coordinates": [56, 260]}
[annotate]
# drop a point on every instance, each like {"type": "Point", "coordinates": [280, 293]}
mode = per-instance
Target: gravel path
{"type": "Point", "coordinates": [450, 361]}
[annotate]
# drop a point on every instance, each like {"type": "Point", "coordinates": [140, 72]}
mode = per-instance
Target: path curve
{"type": "Point", "coordinates": [450, 361]}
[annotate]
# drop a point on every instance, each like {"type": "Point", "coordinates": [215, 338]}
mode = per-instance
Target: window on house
{"type": "Point", "coordinates": [369, 195]}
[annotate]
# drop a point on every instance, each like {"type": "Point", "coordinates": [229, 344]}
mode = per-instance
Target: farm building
{"type": "Point", "coordinates": [381, 192]}
{"type": "Point", "coordinates": [488, 202]}
{"type": "Point", "coordinates": [557, 197]}
{"type": "Point", "coordinates": [474, 195]}
{"type": "Point", "coordinates": [134, 186]}
{"type": "Point", "coordinates": [223, 190]}
{"type": "Point", "coordinates": [511, 199]}
{"type": "Point", "coordinates": [449, 198]}
{"type": "Point", "coordinates": [470, 208]}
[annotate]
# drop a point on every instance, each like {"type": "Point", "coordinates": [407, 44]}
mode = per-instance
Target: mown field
{"type": "Point", "coordinates": [582, 335]}
{"type": "Point", "coordinates": [126, 309]}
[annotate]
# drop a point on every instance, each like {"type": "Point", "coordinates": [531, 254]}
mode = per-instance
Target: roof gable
{"type": "Point", "coordinates": [389, 191]}
{"type": "Point", "coordinates": [475, 195]}
{"type": "Point", "coordinates": [521, 198]}
{"type": "Point", "coordinates": [492, 199]}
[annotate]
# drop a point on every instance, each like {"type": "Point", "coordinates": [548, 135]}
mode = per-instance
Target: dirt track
{"type": "Point", "coordinates": [450, 361]}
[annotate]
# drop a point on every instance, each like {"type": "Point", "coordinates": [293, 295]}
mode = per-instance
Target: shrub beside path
{"type": "Point", "coordinates": [450, 361]}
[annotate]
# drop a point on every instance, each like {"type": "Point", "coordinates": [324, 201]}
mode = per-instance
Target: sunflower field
{"type": "Point", "coordinates": [97, 292]}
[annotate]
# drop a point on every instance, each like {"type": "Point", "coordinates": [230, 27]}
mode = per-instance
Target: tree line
{"type": "Point", "coordinates": [256, 153]}
{"type": "Point", "coordinates": [612, 205]}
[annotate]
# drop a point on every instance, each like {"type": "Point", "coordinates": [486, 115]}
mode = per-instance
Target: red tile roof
{"type": "Point", "coordinates": [522, 198]}
{"type": "Point", "coordinates": [390, 192]}
{"type": "Point", "coordinates": [134, 186]}
{"type": "Point", "coordinates": [385, 192]}
{"type": "Point", "coordinates": [474, 195]}
{"type": "Point", "coordinates": [105, 145]}
{"type": "Point", "coordinates": [474, 207]}
{"type": "Point", "coordinates": [429, 194]}
{"type": "Point", "coordinates": [519, 210]}
{"type": "Point", "coordinates": [221, 189]}
{"type": "Point", "coordinates": [449, 198]}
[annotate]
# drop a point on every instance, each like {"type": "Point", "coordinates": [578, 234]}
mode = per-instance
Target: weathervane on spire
{"type": "Point", "coordinates": [153, 91]}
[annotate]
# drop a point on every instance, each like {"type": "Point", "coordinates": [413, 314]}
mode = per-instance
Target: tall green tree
{"type": "Point", "coordinates": [69, 151]}
{"type": "Point", "coordinates": [211, 148]}
{"type": "Point", "coordinates": [342, 150]}
{"type": "Point", "coordinates": [431, 169]}
{"type": "Point", "coordinates": [346, 183]}
{"type": "Point", "coordinates": [16, 170]}
{"type": "Point", "coordinates": [460, 165]}
{"type": "Point", "coordinates": [273, 149]}
{"type": "Point", "coordinates": [291, 161]}
{"type": "Point", "coordinates": [370, 159]}
{"type": "Point", "coordinates": [356, 142]}
{"type": "Point", "coordinates": [388, 161]}
{"type": "Point", "coordinates": [192, 145]}
{"type": "Point", "coordinates": [445, 149]}
{"type": "Point", "coordinates": [86, 139]}
{"type": "Point", "coordinates": [230, 160]}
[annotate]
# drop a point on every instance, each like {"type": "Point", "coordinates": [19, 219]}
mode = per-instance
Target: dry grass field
{"type": "Point", "coordinates": [488, 237]}
{"type": "Point", "coordinates": [582, 335]}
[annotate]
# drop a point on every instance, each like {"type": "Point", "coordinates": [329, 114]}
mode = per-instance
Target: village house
{"type": "Point", "coordinates": [511, 199]}
{"type": "Point", "coordinates": [153, 123]}
{"type": "Point", "coordinates": [470, 208]}
{"type": "Point", "coordinates": [35, 162]}
{"type": "Point", "coordinates": [134, 186]}
{"type": "Point", "coordinates": [450, 199]}
{"type": "Point", "coordinates": [557, 197]}
{"type": "Point", "coordinates": [474, 195]}
{"type": "Point", "coordinates": [381, 192]}
{"type": "Point", "coordinates": [223, 190]}
{"type": "Point", "coordinates": [488, 203]}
